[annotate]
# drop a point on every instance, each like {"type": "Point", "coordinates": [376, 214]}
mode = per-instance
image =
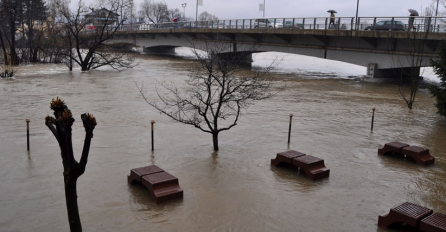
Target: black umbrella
{"type": "Point", "coordinates": [331, 11]}
{"type": "Point", "coordinates": [413, 12]}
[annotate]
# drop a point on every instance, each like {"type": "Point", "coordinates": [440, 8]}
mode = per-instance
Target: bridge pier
{"type": "Point", "coordinates": [374, 72]}
{"type": "Point", "coordinates": [159, 50]}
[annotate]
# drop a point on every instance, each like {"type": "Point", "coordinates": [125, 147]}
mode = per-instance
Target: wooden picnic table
{"type": "Point", "coordinates": [162, 185]}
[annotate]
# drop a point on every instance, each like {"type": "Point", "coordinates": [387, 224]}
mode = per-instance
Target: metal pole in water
{"type": "Point", "coordinates": [152, 122]}
{"type": "Point", "coordinates": [27, 134]}
{"type": "Point", "coordinates": [373, 117]}
{"type": "Point", "coordinates": [289, 129]}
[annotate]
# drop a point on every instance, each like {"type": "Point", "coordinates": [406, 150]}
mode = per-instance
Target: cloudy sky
{"type": "Point", "coordinates": [242, 9]}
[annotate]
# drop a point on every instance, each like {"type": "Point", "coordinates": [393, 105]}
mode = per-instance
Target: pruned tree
{"type": "Point", "coordinates": [60, 126]}
{"type": "Point", "coordinates": [439, 91]}
{"type": "Point", "coordinates": [217, 90]}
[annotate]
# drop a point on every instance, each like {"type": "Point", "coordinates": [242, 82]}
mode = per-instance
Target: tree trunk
{"type": "Point", "coordinates": [5, 54]}
{"type": "Point", "coordinates": [84, 67]}
{"type": "Point", "coordinates": [215, 140]}
{"type": "Point", "coordinates": [34, 55]}
{"type": "Point", "coordinates": [71, 200]}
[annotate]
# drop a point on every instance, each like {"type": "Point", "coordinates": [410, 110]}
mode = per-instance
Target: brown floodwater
{"type": "Point", "coordinates": [235, 189]}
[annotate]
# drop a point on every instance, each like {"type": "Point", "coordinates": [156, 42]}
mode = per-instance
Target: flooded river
{"type": "Point", "coordinates": [235, 189]}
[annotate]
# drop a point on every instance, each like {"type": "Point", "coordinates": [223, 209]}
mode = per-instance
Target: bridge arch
{"type": "Point", "coordinates": [381, 53]}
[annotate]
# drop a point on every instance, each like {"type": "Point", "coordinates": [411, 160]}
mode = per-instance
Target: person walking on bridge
{"type": "Point", "coordinates": [413, 13]}
{"type": "Point", "coordinates": [332, 18]}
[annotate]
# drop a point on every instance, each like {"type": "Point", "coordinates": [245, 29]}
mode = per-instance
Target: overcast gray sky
{"type": "Point", "coordinates": [241, 9]}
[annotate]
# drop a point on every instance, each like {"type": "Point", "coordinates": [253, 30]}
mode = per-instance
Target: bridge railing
{"type": "Point", "coordinates": [420, 24]}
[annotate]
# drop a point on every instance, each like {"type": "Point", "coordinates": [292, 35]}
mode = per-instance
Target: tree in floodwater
{"type": "Point", "coordinates": [11, 12]}
{"type": "Point", "coordinates": [60, 126]}
{"type": "Point", "coordinates": [84, 38]}
{"type": "Point", "coordinates": [217, 90]}
{"type": "Point", "coordinates": [410, 79]}
{"type": "Point", "coordinates": [439, 91]}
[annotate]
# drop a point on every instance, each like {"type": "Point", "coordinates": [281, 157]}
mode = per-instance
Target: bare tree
{"type": "Point", "coordinates": [10, 12]}
{"type": "Point", "coordinates": [60, 126]}
{"type": "Point", "coordinates": [216, 92]}
{"type": "Point", "coordinates": [174, 13]}
{"type": "Point", "coordinates": [156, 12]}
{"type": "Point", "coordinates": [410, 78]}
{"type": "Point", "coordinates": [205, 16]}
{"type": "Point", "coordinates": [86, 34]}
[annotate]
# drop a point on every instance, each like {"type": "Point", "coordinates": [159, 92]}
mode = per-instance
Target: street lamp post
{"type": "Point", "coordinates": [264, 7]}
{"type": "Point", "coordinates": [184, 10]}
{"type": "Point", "coordinates": [436, 14]}
{"type": "Point", "coordinates": [357, 8]}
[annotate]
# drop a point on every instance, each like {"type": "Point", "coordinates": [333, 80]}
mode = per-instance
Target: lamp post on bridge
{"type": "Point", "coordinates": [356, 22]}
{"type": "Point", "coordinates": [436, 14]}
{"type": "Point", "coordinates": [199, 3]}
{"type": "Point", "coordinates": [184, 10]}
{"type": "Point", "coordinates": [262, 8]}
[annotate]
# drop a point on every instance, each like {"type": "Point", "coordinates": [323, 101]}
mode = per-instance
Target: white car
{"type": "Point", "coordinates": [267, 23]}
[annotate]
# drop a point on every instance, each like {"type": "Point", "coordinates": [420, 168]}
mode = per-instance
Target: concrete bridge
{"type": "Point", "coordinates": [383, 52]}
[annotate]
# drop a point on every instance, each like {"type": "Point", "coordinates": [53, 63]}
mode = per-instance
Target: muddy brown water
{"type": "Point", "coordinates": [235, 189]}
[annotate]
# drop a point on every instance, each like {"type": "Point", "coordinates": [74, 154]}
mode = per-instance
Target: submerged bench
{"type": "Point", "coordinates": [161, 185]}
{"type": "Point", "coordinates": [408, 213]}
{"type": "Point", "coordinates": [420, 154]}
{"type": "Point", "coordinates": [285, 157]}
{"type": "Point", "coordinates": [313, 167]}
{"type": "Point", "coordinates": [434, 223]}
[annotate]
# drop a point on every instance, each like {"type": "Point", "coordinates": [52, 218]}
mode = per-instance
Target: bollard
{"type": "Point", "coordinates": [152, 122]}
{"type": "Point", "coordinates": [289, 129]}
{"type": "Point", "coordinates": [373, 117]}
{"type": "Point", "coordinates": [27, 134]}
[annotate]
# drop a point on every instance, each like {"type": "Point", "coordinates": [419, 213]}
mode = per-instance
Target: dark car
{"type": "Point", "coordinates": [387, 25]}
{"type": "Point", "coordinates": [289, 24]}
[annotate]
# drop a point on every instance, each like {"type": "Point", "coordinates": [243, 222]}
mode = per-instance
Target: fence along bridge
{"type": "Point", "coordinates": [384, 51]}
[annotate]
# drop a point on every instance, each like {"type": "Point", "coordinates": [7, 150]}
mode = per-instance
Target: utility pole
{"type": "Point", "coordinates": [264, 7]}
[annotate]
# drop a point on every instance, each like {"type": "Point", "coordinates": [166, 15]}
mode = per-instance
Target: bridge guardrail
{"type": "Point", "coordinates": [421, 24]}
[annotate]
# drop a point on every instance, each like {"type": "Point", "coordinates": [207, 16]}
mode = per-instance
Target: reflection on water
{"type": "Point", "coordinates": [235, 189]}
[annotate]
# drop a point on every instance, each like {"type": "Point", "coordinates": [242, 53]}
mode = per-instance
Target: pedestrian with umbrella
{"type": "Point", "coordinates": [332, 18]}
{"type": "Point", "coordinates": [413, 13]}
{"type": "Point", "coordinates": [175, 20]}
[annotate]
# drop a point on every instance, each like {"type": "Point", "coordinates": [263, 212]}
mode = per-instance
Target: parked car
{"type": "Point", "coordinates": [289, 24]}
{"type": "Point", "coordinates": [387, 25]}
{"type": "Point", "coordinates": [267, 23]}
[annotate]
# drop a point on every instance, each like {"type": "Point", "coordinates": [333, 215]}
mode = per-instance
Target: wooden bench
{"type": "Point", "coordinates": [136, 174]}
{"type": "Point", "coordinates": [393, 148]}
{"type": "Point", "coordinates": [434, 223]}
{"type": "Point", "coordinates": [408, 213]}
{"type": "Point", "coordinates": [162, 185]}
{"type": "Point", "coordinates": [285, 157]}
{"type": "Point", "coordinates": [313, 167]}
{"type": "Point", "coordinates": [420, 154]}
